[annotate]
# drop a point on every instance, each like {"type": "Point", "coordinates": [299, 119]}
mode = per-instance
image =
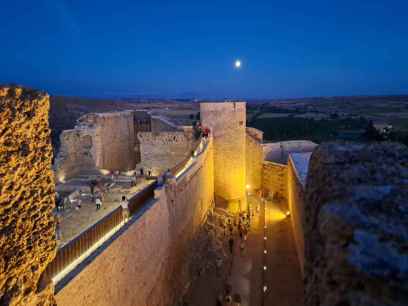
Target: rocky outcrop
{"type": "Point", "coordinates": [27, 230]}
{"type": "Point", "coordinates": [356, 225]}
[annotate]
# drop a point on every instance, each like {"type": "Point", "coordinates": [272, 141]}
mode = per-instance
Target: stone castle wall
{"type": "Point", "coordinates": [356, 229]}
{"type": "Point", "coordinates": [274, 179]}
{"type": "Point", "coordinates": [296, 203]}
{"type": "Point", "coordinates": [101, 141]}
{"type": "Point", "coordinates": [227, 124]}
{"type": "Point", "coordinates": [77, 153]}
{"type": "Point", "coordinates": [150, 263]}
{"type": "Point", "coordinates": [254, 158]}
{"type": "Point", "coordinates": [162, 151]}
{"type": "Point", "coordinates": [115, 149]}
{"type": "Point", "coordinates": [27, 229]}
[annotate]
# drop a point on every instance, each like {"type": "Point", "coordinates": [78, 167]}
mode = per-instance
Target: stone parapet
{"type": "Point", "coordinates": [356, 226]}
{"type": "Point", "coordinates": [27, 190]}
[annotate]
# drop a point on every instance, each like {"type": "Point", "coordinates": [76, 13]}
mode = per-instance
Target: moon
{"type": "Point", "coordinates": [237, 64]}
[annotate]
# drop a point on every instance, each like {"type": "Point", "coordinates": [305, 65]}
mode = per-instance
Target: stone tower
{"type": "Point", "coordinates": [227, 123]}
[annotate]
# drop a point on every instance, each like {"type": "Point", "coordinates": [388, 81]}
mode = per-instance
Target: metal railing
{"type": "Point", "coordinates": [75, 248]}
{"type": "Point", "coordinates": [139, 199]}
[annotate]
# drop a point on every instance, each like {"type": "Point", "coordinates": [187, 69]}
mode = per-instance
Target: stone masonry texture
{"type": "Point", "coordinates": [356, 225]}
{"type": "Point", "coordinates": [27, 229]}
{"type": "Point", "coordinates": [227, 123]}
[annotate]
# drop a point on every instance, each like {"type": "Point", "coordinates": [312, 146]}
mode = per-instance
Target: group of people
{"type": "Point", "coordinates": [241, 225]}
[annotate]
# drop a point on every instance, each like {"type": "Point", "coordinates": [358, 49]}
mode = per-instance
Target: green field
{"type": "Point", "coordinates": [289, 128]}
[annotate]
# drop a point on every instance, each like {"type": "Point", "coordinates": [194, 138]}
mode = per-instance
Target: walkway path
{"type": "Point", "coordinates": [248, 277]}
{"type": "Point", "coordinates": [74, 221]}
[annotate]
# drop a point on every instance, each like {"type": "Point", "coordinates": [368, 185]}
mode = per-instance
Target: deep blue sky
{"type": "Point", "coordinates": [184, 48]}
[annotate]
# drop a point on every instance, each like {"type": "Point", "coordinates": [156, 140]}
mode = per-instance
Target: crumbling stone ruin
{"type": "Point", "coordinates": [27, 233]}
{"type": "Point", "coordinates": [356, 226]}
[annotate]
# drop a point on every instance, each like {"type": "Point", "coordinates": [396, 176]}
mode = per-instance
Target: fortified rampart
{"type": "Point", "coordinates": [227, 124]}
{"type": "Point", "coordinates": [296, 184]}
{"type": "Point", "coordinates": [162, 151]}
{"type": "Point", "coordinates": [27, 229]}
{"type": "Point", "coordinates": [151, 263]}
{"type": "Point", "coordinates": [274, 180]}
{"type": "Point", "coordinates": [254, 159]}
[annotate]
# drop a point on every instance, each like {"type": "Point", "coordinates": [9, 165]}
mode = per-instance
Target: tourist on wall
{"type": "Point", "coordinates": [58, 228]}
{"type": "Point", "coordinates": [124, 203]}
{"type": "Point", "coordinates": [98, 203]}
{"type": "Point", "coordinates": [78, 204]}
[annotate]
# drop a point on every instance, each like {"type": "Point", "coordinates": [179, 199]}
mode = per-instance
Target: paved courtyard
{"type": "Point", "coordinates": [74, 220]}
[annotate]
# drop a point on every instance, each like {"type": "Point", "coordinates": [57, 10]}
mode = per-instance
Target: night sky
{"type": "Point", "coordinates": [188, 48]}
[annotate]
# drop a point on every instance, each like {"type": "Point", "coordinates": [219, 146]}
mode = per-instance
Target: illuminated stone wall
{"type": "Point", "coordinates": [296, 204]}
{"type": "Point", "coordinates": [150, 263]}
{"type": "Point", "coordinates": [164, 150]}
{"type": "Point", "coordinates": [356, 229]}
{"type": "Point", "coordinates": [274, 179]}
{"type": "Point", "coordinates": [254, 158]}
{"type": "Point", "coordinates": [76, 154]}
{"type": "Point", "coordinates": [116, 149]}
{"type": "Point", "coordinates": [101, 141]}
{"type": "Point", "coordinates": [27, 229]}
{"type": "Point", "coordinates": [227, 124]}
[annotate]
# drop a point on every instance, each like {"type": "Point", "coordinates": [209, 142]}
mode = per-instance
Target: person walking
{"type": "Point", "coordinates": [58, 228]}
{"type": "Point", "coordinates": [124, 203]}
{"type": "Point", "coordinates": [231, 245]}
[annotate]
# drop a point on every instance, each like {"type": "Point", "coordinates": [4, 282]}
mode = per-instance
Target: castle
{"type": "Point", "coordinates": [151, 258]}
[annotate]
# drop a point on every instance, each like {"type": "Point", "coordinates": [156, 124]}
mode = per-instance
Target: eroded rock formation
{"type": "Point", "coordinates": [356, 226]}
{"type": "Point", "coordinates": [27, 233]}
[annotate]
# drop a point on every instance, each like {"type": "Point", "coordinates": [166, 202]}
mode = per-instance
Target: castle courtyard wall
{"type": "Point", "coordinates": [164, 150]}
{"type": "Point", "coordinates": [274, 179]}
{"type": "Point", "coordinates": [150, 263]}
{"type": "Point", "coordinates": [254, 159]}
{"type": "Point", "coordinates": [296, 202]}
